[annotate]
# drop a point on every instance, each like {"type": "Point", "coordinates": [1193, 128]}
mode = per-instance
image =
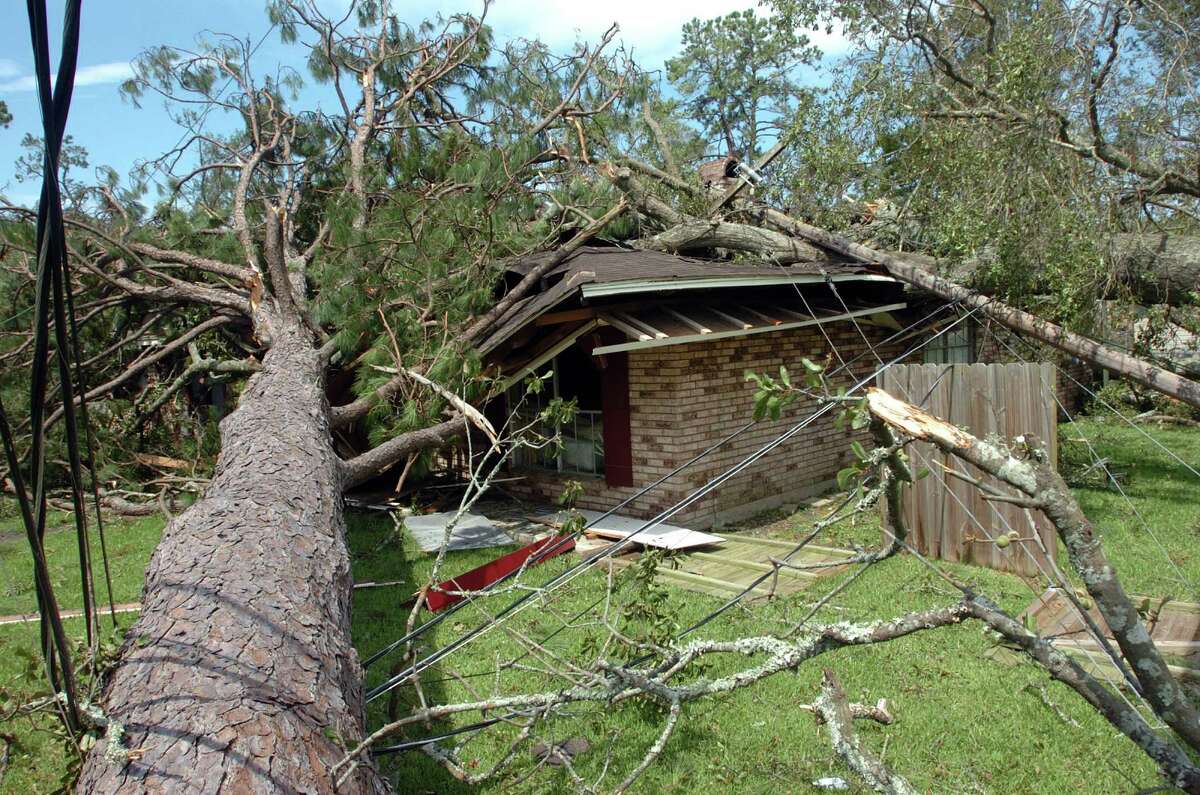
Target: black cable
{"type": "Point", "coordinates": [550, 549]}
{"type": "Point", "coordinates": [431, 659]}
{"type": "Point", "coordinates": [48, 297]}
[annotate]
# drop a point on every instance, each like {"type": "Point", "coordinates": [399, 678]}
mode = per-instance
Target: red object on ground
{"type": "Point", "coordinates": [480, 578]}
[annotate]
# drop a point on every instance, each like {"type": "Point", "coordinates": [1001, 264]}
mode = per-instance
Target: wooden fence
{"type": "Point", "coordinates": [948, 518]}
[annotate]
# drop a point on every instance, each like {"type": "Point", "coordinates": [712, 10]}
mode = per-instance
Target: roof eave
{"type": "Point", "coordinates": [634, 286]}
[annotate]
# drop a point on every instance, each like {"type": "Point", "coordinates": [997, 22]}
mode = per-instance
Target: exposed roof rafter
{"type": "Point", "coordinates": [642, 342]}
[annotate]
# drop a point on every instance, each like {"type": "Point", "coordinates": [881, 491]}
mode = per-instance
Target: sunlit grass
{"type": "Point", "coordinates": [964, 722]}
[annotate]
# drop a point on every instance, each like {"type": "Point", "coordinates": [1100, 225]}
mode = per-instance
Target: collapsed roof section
{"type": "Point", "coordinates": [651, 299]}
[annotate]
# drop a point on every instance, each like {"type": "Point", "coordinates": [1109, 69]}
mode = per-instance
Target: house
{"type": "Point", "coordinates": [654, 348]}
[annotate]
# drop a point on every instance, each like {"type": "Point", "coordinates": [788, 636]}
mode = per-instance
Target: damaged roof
{"type": "Point", "coordinates": [609, 264]}
{"type": "Point", "coordinates": [604, 272]}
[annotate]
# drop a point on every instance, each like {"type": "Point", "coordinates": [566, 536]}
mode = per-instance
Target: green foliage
{"type": "Point", "coordinates": [453, 185]}
{"type": "Point", "coordinates": [72, 158]}
{"type": "Point", "coordinates": [1078, 466]}
{"type": "Point", "coordinates": [772, 395]}
{"type": "Point", "coordinates": [750, 760]}
{"type": "Point", "coordinates": [646, 615]}
{"type": "Point", "coordinates": [949, 130]}
{"type": "Point", "coordinates": [749, 740]}
{"type": "Point", "coordinates": [740, 76]}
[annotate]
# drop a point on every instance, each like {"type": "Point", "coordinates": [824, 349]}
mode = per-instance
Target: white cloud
{"type": "Point", "coordinates": [104, 73]}
{"type": "Point", "coordinates": [94, 75]}
{"type": "Point", "coordinates": [8, 69]}
{"type": "Point", "coordinates": [651, 28]}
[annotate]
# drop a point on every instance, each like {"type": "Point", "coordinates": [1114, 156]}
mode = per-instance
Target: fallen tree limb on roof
{"type": "Point", "coordinates": [778, 236]}
{"type": "Point", "coordinates": [906, 269]}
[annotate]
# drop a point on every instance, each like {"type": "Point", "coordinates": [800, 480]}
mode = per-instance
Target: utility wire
{"type": "Point", "coordinates": [417, 667]}
{"type": "Point", "coordinates": [479, 726]}
{"type": "Point", "coordinates": [549, 550]}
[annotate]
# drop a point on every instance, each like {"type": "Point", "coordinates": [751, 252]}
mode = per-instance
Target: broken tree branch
{"type": "Point", "coordinates": [132, 370]}
{"type": "Point", "coordinates": [607, 685]}
{"type": "Point", "coordinates": [831, 705]}
{"type": "Point", "coordinates": [1027, 469]}
{"type": "Point", "coordinates": [362, 468]}
{"type": "Point", "coordinates": [786, 239]}
{"type": "Point", "coordinates": [470, 412]}
{"type": "Point", "coordinates": [212, 366]}
{"type": "Point", "coordinates": [682, 232]}
{"type": "Point", "coordinates": [907, 269]}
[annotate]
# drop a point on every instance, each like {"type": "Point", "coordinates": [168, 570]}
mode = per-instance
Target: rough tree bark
{"type": "Point", "coordinates": [239, 676]}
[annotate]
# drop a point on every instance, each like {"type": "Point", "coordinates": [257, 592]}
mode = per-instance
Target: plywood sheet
{"type": "Point", "coordinates": [741, 561]}
{"type": "Point", "coordinates": [618, 528]}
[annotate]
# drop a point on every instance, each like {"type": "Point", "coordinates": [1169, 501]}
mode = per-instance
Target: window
{"type": "Point", "coordinates": [574, 375]}
{"type": "Point", "coordinates": [956, 346]}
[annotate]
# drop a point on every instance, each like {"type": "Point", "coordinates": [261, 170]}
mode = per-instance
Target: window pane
{"type": "Point", "coordinates": [577, 378]}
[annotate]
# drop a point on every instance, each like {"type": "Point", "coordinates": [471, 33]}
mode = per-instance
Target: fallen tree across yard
{"type": "Point", "coordinates": [239, 674]}
{"type": "Point", "coordinates": [361, 247]}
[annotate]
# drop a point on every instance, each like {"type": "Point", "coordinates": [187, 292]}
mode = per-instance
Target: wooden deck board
{"type": "Point", "coordinates": [729, 569]}
{"type": "Point", "coordinates": [1175, 630]}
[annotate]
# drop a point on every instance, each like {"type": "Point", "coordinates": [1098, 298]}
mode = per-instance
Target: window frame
{"type": "Point", "coordinates": [960, 338]}
{"type": "Point", "coordinates": [540, 461]}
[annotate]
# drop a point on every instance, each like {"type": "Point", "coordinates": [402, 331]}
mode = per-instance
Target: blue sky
{"type": "Point", "coordinates": [115, 31]}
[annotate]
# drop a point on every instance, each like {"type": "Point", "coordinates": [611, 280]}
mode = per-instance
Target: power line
{"type": "Point", "coordinates": [479, 726]}
{"type": "Point", "coordinates": [431, 659]}
{"type": "Point", "coordinates": [548, 551]}
{"type": "Point", "coordinates": [1090, 624]}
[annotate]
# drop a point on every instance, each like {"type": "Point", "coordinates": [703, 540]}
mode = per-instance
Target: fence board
{"type": "Point", "coordinates": [948, 519]}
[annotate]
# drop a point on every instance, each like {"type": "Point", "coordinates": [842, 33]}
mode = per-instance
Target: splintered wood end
{"type": "Point", "coordinates": [915, 422]}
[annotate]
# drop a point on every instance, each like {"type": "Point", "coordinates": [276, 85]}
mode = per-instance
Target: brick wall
{"type": "Point", "coordinates": [683, 399]}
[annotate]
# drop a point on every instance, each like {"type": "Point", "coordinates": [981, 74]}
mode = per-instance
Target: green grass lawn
{"type": "Point", "coordinates": [964, 723]}
{"type": "Point", "coordinates": [38, 760]}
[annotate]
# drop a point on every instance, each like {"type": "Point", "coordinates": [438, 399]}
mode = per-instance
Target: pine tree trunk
{"type": "Point", "coordinates": [239, 676]}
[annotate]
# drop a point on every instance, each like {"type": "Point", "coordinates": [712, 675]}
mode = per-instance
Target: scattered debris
{"type": "Point", "coordinates": [1165, 419]}
{"type": "Point", "coordinates": [166, 462]}
{"type": "Point", "coordinates": [740, 560]}
{"type": "Point", "coordinates": [33, 618]}
{"type": "Point", "coordinates": [388, 584]}
{"type": "Point", "coordinates": [1174, 627]}
{"type": "Point", "coordinates": [832, 783]}
{"type": "Point", "coordinates": [453, 590]}
{"type": "Point", "coordinates": [381, 504]}
{"type": "Point", "coordinates": [471, 531]}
